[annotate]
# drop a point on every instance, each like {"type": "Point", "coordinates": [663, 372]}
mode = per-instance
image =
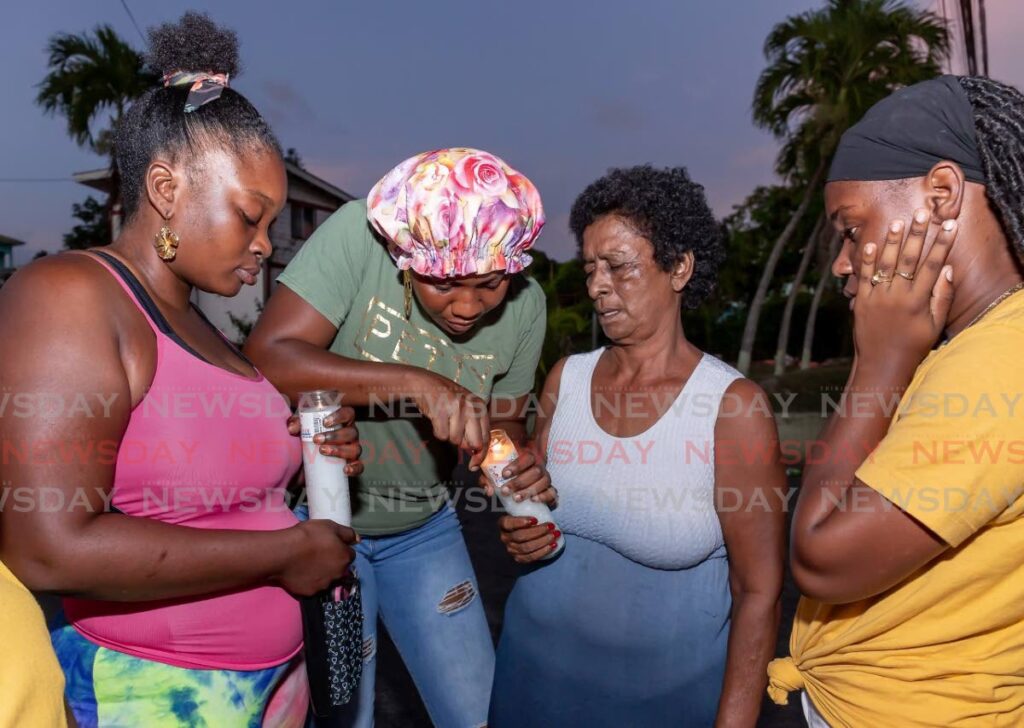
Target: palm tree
{"type": "Point", "coordinates": [826, 68]}
{"type": "Point", "coordinates": [794, 292]}
{"type": "Point", "coordinates": [825, 275]}
{"type": "Point", "coordinates": [91, 75]}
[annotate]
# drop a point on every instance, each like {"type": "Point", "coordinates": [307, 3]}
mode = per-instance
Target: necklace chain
{"type": "Point", "coordinates": [1006, 294]}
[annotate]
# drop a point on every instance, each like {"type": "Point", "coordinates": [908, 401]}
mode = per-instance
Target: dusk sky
{"type": "Point", "coordinates": [561, 89]}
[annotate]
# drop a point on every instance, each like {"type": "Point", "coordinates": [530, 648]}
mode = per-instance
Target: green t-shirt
{"type": "Point", "coordinates": [345, 272]}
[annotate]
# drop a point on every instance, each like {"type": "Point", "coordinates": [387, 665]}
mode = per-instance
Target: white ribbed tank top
{"type": "Point", "coordinates": [651, 496]}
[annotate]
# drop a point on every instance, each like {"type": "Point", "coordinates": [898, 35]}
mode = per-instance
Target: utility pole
{"type": "Point", "coordinates": [967, 18]}
{"type": "Point", "coordinates": [984, 37]}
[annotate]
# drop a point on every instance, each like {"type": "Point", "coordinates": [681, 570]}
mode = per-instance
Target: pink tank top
{"type": "Point", "coordinates": [205, 448]}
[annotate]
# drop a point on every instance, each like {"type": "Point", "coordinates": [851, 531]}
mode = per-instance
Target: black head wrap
{"type": "Point", "coordinates": [906, 133]}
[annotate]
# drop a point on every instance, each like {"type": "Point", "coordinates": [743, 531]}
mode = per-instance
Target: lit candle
{"type": "Point", "coordinates": [500, 452]}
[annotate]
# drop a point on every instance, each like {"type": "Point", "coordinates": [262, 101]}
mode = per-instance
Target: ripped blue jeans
{"type": "Point", "coordinates": [421, 584]}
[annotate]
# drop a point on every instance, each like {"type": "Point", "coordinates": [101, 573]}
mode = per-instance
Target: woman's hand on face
{"type": "Point", "coordinates": [903, 298]}
{"type": "Point", "coordinates": [457, 415]}
{"type": "Point", "coordinates": [529, 479]}
{"type": "Point", "coordinates": [526, 540]}
{"type": "Point", "coordinates": [342, 441]}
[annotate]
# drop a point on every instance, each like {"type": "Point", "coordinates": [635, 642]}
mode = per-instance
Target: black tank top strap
{"type": "Point", "coordinates": [146, 303]}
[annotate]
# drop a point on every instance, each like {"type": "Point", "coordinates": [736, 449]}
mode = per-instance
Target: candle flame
{"type": "Point", "coordinates": [501, 446]}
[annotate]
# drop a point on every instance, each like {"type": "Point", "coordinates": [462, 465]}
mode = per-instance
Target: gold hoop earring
{"type": "Point", "coordinates": [166, 243]}
{"type": "Point", "coordinates": [407, 281]}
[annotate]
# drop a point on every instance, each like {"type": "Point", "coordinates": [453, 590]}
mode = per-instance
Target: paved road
{"type": "Point", "coordinates": [399, 705]}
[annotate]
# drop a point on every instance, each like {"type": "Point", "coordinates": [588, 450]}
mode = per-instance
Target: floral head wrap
{"type": "Point", "coordinates": [456, 212]}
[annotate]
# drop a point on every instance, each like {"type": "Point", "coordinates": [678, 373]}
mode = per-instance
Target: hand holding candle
{"type": "Point", "coordinates": [326, 475]}
{"type": "Point", "coordinates": [534, 487]}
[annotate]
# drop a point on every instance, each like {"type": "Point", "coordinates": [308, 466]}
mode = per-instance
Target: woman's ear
{"type": "Point", "coordinates": [946, 187]}
{"type": "Point", "coordinates": [162, 187]}
{"type": "Point", "coordinates": [682, 271]}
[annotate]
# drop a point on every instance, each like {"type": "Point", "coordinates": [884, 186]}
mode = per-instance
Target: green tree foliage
{"type": "Point", "coordinates": [91, 79]}
{"type": "Point", "coordinates": [93, 226]}
{"type": "Point", "coordinates": [91, 75]}
{"type": "Point", "coordinates": [827, 67]}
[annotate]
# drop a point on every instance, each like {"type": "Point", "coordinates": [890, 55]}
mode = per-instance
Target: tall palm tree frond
{"type": "Point", "coordinates": [91, 74]}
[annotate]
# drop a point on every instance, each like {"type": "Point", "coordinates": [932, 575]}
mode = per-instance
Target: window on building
{"type": "Point", "coordinates": [303, 220]}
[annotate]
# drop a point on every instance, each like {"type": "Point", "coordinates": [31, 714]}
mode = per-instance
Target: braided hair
{"type": "Point", "coordinates": [156, 124]}
{"type": "Point", "coordinates": [999, 131]}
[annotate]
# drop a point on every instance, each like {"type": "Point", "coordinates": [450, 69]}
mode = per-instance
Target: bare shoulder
{"type": "Point", "coordinates": [554, 378]}
{"type": "Point", "coordinates": [746, 410]}
{"type": "Point", "coordinates": [548, 402]}
{"type": "Point", "coordinates": [73, 285]}
{"type": "Point", "coordinates": [65, 310]}
{"type": "Point", "coordinates": [749, 392]}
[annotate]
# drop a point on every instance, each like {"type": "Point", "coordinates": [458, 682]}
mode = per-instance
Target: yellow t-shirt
{"type": "Point", "coordinates": [945, 647]}
{"type": "Point", "coordinates": [31, 682]}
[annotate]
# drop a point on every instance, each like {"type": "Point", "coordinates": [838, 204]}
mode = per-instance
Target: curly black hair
{"type": "Point", "coordinates": [157, 123]}
{"type": "Point", "coordinates": [667, 208]}
{"type": "Point", "coordinates": [999, 132]}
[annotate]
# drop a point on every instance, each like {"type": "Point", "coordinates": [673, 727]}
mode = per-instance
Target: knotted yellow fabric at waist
{"type": "Point", "coordinates": [783, 678]}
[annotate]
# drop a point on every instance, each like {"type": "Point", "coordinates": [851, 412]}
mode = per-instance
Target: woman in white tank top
{"type": "Point", "coordinates": [663, 607]}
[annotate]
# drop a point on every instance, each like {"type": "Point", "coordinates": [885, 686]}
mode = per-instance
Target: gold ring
{"type": "Point", "coordinates": [881, 276]}
{"type": "Point", "coordinates": [904, 274]}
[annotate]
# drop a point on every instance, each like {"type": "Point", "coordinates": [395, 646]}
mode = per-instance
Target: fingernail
{"type": "Point", "coordinates": [533, 521]}
{"type": "Point", "coordinates": [557, 535]}
{"type": "Point", "coordinates": [506, 474]}
{"type": "Point", "coordinates": [517, 497]}
{"type": "Point", "coordinates": [896, 226]}
{"type": "Point", "coordinates": [948, 225]}
{"type": "Point", "coordinates": [551, 526]}
{"type": "Point", "coordinates": [949, 274]}
{"type": "Point", "coordinates": [506, 491]}
{"type": "Point", "coordinates": [554, 545]}
{"type": "Point", "coordinates": [921, 216]}
{"type": "Point", "coordinates": [869, 249]}
{"type": "Point", "coordinates": [318, 438]}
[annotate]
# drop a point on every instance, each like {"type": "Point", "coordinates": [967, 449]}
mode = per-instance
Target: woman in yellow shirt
{"type": "Point", "coordinates": [912, 558]}
{"type": "Point", "coordinates": [31, 683]}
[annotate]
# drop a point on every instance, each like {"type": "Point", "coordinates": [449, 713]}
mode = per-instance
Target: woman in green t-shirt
{"type": "Point", "coordinates": [412, 304]}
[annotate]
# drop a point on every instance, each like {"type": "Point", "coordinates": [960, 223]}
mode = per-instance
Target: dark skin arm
{"type": "Point", "coordinates": [290, 345]}
{"type": "Point", "coordinates": [751, 501]}
{"type": "Point", "coordinates": [840, 555]}
{"type": "Point", "coordinates": [88, 351]}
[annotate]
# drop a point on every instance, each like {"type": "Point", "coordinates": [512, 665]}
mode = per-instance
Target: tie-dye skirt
{"type": "Point", "coordinates": [109, 689]}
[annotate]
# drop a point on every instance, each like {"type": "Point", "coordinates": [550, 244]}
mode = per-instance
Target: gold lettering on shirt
{"type": "Point", "coordinates": [479, 370]}
{"type": "Point", "coordinates": [433, 354]}
{"type": "Point", "coordinates": [402, 347]}
{"type": "Point", "coordinates": [385, 335]}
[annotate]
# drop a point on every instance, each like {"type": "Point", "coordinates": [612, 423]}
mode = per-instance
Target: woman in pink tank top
{"type": "Point", "coordinates": [146, 458]}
